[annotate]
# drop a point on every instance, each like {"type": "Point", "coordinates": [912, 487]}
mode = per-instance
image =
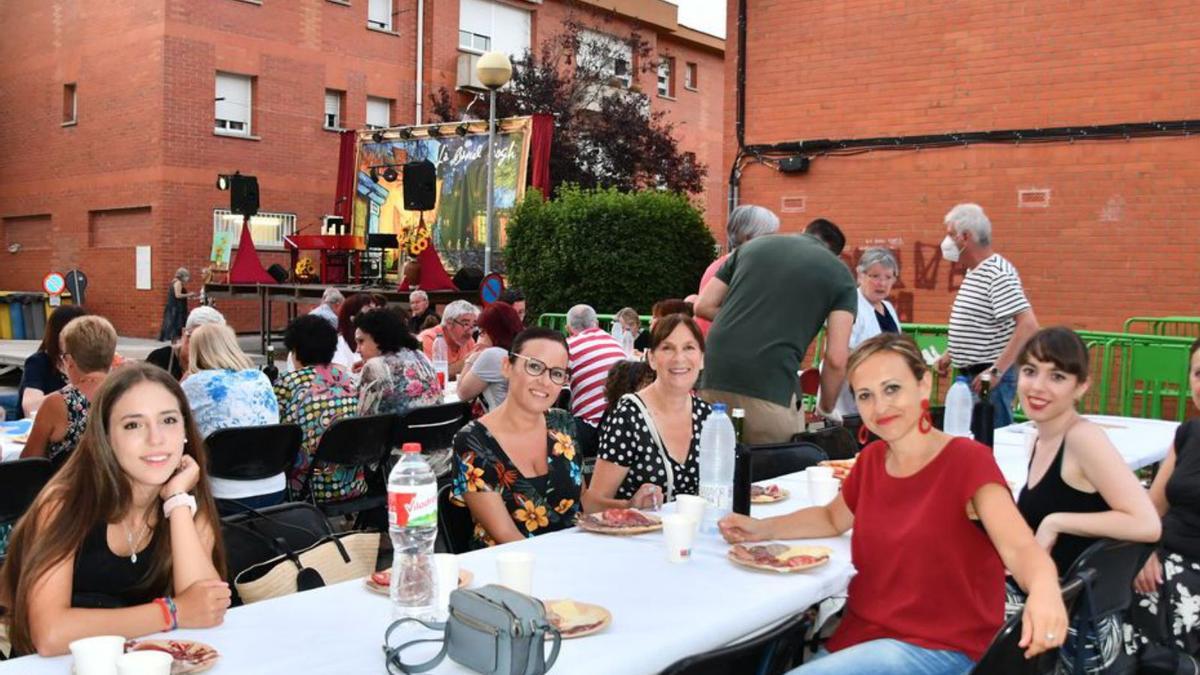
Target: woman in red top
{"type": "Point", "coordinates": [934, 528]}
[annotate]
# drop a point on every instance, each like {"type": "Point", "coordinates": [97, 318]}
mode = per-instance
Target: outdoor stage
{"type": "Point", "coordinates": [292, 295]}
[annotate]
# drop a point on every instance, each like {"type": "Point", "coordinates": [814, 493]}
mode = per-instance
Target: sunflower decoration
{"type": "Point", "coordinates": [306, 269]}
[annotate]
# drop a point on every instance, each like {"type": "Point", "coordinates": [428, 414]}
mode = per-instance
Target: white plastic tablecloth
{"type": "Point", "coordinates": [662, 611]}
{"type": "Point", "coordinates": [1141, 442]}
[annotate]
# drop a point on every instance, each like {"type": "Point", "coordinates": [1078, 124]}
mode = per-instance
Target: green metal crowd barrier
{"type": "Point", "coordinates": [1132, 374]}
{"type": "Point", "coordinates": [1179, 326]}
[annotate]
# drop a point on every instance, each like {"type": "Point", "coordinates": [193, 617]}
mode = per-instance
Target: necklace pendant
{"type": "Point", "coordinates": [133, 557]}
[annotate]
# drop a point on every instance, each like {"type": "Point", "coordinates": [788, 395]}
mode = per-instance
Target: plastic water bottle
{"type": "Point", "coordinates": [717, 441]}
{"type": "Point", "coordinates": [958, 408]}
{"type": "Point", "coordinates": [412, 524]}
{"type": "Point", "coordinates": [271, 370]}
{"type": "Point", "coordinates": [441, 362]}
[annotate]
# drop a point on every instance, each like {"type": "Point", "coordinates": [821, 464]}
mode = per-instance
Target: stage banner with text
{"type": "Point", "coordinates": [457, 223]}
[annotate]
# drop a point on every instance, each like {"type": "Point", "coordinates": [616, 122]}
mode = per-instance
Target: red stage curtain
{"type": "Point", "coordinates": [343, 203]}
{"type": "Point", "coordinates": [539, 151]}
{"type": "Point", "coordinates": [247, 268]}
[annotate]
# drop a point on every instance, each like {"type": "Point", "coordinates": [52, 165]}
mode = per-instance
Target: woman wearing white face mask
{"type": "Point", "coordinates": [877, 273]}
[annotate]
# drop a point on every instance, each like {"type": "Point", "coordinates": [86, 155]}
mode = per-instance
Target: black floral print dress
{"type": "Point", "coordinates": [538, 505]}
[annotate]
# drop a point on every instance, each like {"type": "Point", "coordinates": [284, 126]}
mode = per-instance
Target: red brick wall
{"type": "Point", "coordinates": [1118, 236]}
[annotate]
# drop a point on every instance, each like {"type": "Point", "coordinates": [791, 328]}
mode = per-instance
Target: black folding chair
{"type": "Point", "coordinates": [778, 459]}
{"type": "Point", "coordinates": [355, 441]}
{"type": "Point", "coordinates": [20, 482]}
{"type": "Point", "coordinates": [248, 535]}
{"type": "Point", "coordinates": [1005, 656]}
{"type": "Point", "coordinates": [770, 653]}
{"type": "Point", "coordinates": [455, 525]}
{"type": "Point", "coordinates": [252, 453]}
{"type": "Point", "coordinates": [432, 426]}
{"type": "Point", "coordinates": [1116, 564]}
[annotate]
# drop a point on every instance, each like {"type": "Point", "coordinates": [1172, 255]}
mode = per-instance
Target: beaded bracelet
{"type": "Point", "coordinates": [174, 612]}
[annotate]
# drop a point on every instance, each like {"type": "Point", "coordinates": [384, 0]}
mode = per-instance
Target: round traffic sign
{"type": "Point", "coordinates": [54, 283]}
{"type": "Point", "coordinates": [490, 288]}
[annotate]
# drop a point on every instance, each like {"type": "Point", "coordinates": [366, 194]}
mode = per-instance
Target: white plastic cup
{"type": "Point", "coordinates": [515, 570]}
{"type": "Point", "coordinates": [445, 566]}
{"type": "Point", "coordinates": [822, 490]}
{"type": "Point", "coordinates": [691, 506]}
{"type": "Point", "coordinates": [97, 655]}
{"type": "Point", "coordinates": [818, 472]}
{"type": "Point", "coordinates": [679, 531]}
{"type": "Point", "coordinates": [145, 662]}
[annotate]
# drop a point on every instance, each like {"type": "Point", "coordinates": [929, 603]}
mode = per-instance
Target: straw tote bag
{"type": "Point", "coordinates": [333, 559]}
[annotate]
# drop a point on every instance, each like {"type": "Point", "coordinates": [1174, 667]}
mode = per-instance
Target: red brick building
{"type": "Point", "coordinates": [119, 114]}
{"type": "Point", "coordinates": [1099, 230]}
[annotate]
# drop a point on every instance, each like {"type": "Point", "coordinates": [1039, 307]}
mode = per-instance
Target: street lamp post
{"type": "Point", "coordinates": [493, 71]}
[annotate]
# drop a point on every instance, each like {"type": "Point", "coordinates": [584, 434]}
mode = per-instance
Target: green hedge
{"type": "Point", "coordinates": [606, 248]}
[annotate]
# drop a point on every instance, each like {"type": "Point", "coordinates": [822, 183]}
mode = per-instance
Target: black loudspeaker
{"type": "Point", "coordinates": [243, 195]}
{"type": "Point", "coordinates": [420, 185]}
{"type": "Point", "coordinates": [468, 278]}
{"type": "Point", "coordinates": [278, 272]}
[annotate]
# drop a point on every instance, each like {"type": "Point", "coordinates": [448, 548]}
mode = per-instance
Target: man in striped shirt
{"type": "Point", "coordinates": [991, 318]}
{"type": "Point", "coordinates": [592, 353]}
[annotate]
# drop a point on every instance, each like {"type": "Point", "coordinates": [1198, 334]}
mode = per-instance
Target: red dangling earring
{"type": "Point", "coordinates": [925, 424]}
{"type": "Point", "coordinates": [862, 435]}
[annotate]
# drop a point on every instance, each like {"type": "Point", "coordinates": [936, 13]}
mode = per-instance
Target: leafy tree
{"type": "Point", "coordinates": [604, 133]}
{"type": "Point", "coordinates": [606, 248]}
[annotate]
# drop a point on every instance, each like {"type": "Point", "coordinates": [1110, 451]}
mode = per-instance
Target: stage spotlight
{"type": "Point", "coordinates": [406, 133]}
{"type": "Point", "coordinates": [374, 175]}
{"type": "Point", "coordinates": [223, 181]}
{"type": "Point", "coordinates": [377, 136]}
{"type": "Point", "coordinates": [435, 132]}
{"type": "Point", "coordinates": [390, 175]}
{"type": "Point", "coordinates": [462, 129]}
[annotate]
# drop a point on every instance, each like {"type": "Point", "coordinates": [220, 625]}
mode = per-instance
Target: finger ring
{"type": "Point", "coordinates": [1050, 637]}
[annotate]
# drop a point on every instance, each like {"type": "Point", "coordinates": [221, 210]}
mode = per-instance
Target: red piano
{"type": "Point", "coordinates": [339, 260]}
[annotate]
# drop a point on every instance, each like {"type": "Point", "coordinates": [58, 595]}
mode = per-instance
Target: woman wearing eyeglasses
{"type": "Point", "coordinates": [649, 445]}
{"type": "Point", "coordinates": [518, 471]}
{"type": "Point", "coordinates": [88, 345]}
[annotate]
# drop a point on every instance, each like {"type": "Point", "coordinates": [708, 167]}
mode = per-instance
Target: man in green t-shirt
{"type": "Point", "coordinates": [773, 294]}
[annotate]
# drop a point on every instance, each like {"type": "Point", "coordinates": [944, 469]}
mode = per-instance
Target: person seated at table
{"type": "Point", "coordinates": [517, 469]}
{"type": "Point", "coordinates": [649, 445]}
{"type": "Point", "coordinates": [225, 390]}
{"type": "Point", "coordinates": [419, 309]}
{"type": "Point", "coordinates": [124, 539]}
{"type": "Point", "coordinates": [626, 322]}
{"type": "Point", "coordinates": [483, 372]}
{"type": "Point", "coordinates": [657, 311]}
{"type": "Point", "coordinates": [173, 357]}
{"type": "Point", "coordinates": [625, 377]}
{"type": "Point", "coordinates": [1163, 613]}
{"type": "Point", "coordinates": [458, 323]}
{"type": "Point", "coordinates": [929, 593]}
{"type": "Point", "coordinates": [515, 298]}
{"type": "Point", "coordinates": [1078, 488]}
{"type": "Point", "coordinates": [88, 344]}
{"type": "Point", "coordinates": [316, 395]}
{"type": "Point", "coordinates": [40, 376]}
{"type": "Point", "coordinates": [877, 273]}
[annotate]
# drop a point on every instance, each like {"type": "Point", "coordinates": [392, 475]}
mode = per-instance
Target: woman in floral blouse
{"type": "Point", "coordinates": [396, 374]}
{"type": "Point", "coordinates": [518, 471]}
{"type": "Point", "coordinates": [314, 396]}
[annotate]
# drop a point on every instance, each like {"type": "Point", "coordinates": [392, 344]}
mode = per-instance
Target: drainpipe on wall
{"type": "Point", "coordinates": [420, 60]}
{"type": "Point", "coordinates": [735, 173]}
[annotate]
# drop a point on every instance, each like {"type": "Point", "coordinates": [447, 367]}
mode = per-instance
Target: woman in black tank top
{"type": "Point", "coordinates": [1079, 489]}
{"type": "Point", "coordinates": [123, 539]}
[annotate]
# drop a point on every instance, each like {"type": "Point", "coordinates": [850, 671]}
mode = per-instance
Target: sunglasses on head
{"type": "Point", "coordinates": [535, 368]}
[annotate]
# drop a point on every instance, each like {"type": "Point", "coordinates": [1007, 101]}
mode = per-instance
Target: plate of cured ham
{"type": "Point", "coordinates": [767, 494]}
{"type": "Point", "coordinates": [619, 522]}
{"type": "Point", "coordinates": [779, 557]}
{"type": "Point", "coordinates": [189, 656]}
{"type": "Point", "coordinates": [575, 619]}
{"type": "Point", "coordinates": [841, 467]}
{"type": "Point", "coordinates": [381, 581]}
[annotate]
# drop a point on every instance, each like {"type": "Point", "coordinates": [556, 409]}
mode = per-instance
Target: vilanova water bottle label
{"type": "Point", "coordinates": [417, 508]}
{"type": "Point", "coordinates": [718, 497]}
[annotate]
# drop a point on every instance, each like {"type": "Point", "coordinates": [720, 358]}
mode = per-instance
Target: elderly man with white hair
{"type": "Point", "coordinates": [174, 358]}
{"type": "Point", "coordinates": [991, 317]}
{"type": "Point", "coordinates": [456, 328]}
{"type": "Point", "coordinates": [419, 310]}
{"type": "Point", "coordinates": [745, 223]}
{"type": "Point", "coordinates": [331, 302]}
{"type": "Point", "coordinates": [592, 352]}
